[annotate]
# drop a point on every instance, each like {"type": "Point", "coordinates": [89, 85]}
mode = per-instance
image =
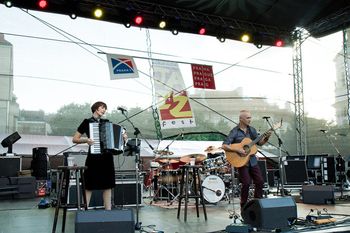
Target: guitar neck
{"type": "Point", "coordinates": [258, 138]}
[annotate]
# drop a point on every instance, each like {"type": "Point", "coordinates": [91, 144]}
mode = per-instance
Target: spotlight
{"type": "Point", "coordinates": [259, 46]}
{"type": "Point", "coordinates": [98, 13]}
{"type": "Point", "coordinates": [127, 24]}
{"type": "Point", "coordinates": [202, 30]}
{"type": "Point", "coordinates": [138, 20]}
{"type": "Point", "coordinates": [8, 3]}
{"type": "Point", "coordinates": [73, 15]}
{"type": "Point", "coordinates": [279, 43]}
{"type": "Point", "coordinates": [42, 4]}
{"type": "Point", "coordinates": [245, 37]}
{"type": "Point", "coordinates": [162, 24]}
{"type": "Point", "coordinates": [221, 39]}
{"type": "Point", "coordinates": [175, 32]}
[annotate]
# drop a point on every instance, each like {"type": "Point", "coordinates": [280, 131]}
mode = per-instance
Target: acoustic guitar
{"type": "Point", "coordinates": [249, 146]}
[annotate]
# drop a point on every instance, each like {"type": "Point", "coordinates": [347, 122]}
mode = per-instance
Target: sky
{"type": "Point", "coordinates": [49, 74]}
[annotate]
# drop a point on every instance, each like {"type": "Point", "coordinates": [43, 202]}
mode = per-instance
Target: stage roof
{"type": "Point", "coordinates": [265, 20]}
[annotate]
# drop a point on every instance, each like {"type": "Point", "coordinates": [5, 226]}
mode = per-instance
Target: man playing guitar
{"type": "Point", "coordinates": [249, 169]}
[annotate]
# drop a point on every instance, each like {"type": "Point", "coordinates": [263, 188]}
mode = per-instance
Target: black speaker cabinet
{"type": "Point", "coordinates": [105, 221]}
{"type": "Point", "coordinates": [318, 194]}
{"type": "Point", "coordinates": [96, 199]}
{"type": "Point", "coordinates": [270, 213]}
{"type": "Point", "coordinates": [125, 193]}
{"type": "Point", "coordinates": [10, 165]}
{"type": "Point", "coordinates": [295, 172]}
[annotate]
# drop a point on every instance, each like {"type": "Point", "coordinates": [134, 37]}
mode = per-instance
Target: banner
{"type": "Point", "coordinates": [121, 67]}
{"type": "Point", "coordinates": [176, 112]}
{"type": "Point", "coordinates": [203, 76]}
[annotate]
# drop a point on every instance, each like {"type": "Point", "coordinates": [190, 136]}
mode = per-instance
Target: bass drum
{"type": "Point", "coordinates": [213, 189]}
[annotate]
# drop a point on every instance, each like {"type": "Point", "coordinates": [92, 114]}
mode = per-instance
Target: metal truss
{"type": "Point", "coordinates": [347, 69]}
{"type": "Point", "coordinates": [299, 92]}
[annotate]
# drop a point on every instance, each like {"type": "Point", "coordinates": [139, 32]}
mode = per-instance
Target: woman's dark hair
{"type": "Point", "coordinates": [98, 104]}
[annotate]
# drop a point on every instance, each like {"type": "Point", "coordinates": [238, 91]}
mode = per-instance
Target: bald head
{"type": "Point", "coordinates": [244, 117]}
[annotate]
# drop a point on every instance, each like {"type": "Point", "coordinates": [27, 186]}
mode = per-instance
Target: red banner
{"type": "Point", "coordinates": [203, 76]}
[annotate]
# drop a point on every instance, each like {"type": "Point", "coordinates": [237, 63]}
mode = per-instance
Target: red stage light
{"type": "Point", "coordinates": [202, 31]}
{"type": "Point", "coordinates": [279, 43]}
{"type": "Point", "coordinates": [138, 20]}
{"type": "Point", "coordinates": [42, 4]}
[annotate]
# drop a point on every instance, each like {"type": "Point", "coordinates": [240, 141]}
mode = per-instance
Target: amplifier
{"type": "Point", "coordinates": [295, 172]}
{"type": "Point", "coordinates": [10, 165]}
{"type": "Point", "coordinates": [125, 193]}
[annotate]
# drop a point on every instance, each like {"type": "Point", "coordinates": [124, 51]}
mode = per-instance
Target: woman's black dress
{"type": "Point", "coordinates": [100, 172]}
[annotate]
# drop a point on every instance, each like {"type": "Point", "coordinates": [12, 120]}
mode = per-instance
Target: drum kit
{"type": "Point", "coordinates": [215, 175]}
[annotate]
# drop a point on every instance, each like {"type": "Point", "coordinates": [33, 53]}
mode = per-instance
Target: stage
{"type": "Point", "coordinates": [24, 216]}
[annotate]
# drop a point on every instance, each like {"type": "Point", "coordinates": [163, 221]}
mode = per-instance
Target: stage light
{"type": "Point", "coordinates": [162, 24]}
{"type": "Point", "coordinates": [175, 32]}
{"type": "Point", "coordinates": [73, 15]}
{"type": "Point", "coordinates": [8, 3]}
{"type": "Point", "coordinates": [138, 20]}
{"type": "Point", "coordinates": [259, 46]}
{"type": "Point", "coordinates": [245, 37]}
{"type": "Point", "coordinates": [279, 43]}
{"type": "Point", "coordinates": [221, 39]}
{"type": "Point", "coordinates": [127, 24]}
{"type": "Point", "coordinates": [42, 4]}
{"type": "Point", "coordinates": [202, 31]}
{"type": "Point", "coordinates": [98, 13]}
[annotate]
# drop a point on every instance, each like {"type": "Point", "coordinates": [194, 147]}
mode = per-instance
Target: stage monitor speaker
{"type": "Point", "coordinates": [125, 193]}
{"type": "Point", "coordinates": [295, 172]}
{"type": "Point", "coordinates": [318, 194]}
{"type": "Point", "coordinates": [105, 221]}
{"type": "Point", "coordinates": [270, 213]}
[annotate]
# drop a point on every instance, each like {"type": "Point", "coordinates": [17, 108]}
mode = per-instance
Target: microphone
{"type": "Point", "coordinates": [122, 109]}
{"type": "Point", "coordinates": [323, 130]}
{"type": "Point", "coordinates": [265, 117]}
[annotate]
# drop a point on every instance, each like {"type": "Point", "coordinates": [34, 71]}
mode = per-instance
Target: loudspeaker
{"type": "Point", "coordinates": [125, 193]}
{"type": "Point", "coordinates": [295, 172]}
{"type": "Point", "coordinates": [96, 199]}
{"type": "Point", "coordinates": [318, 194]}
{"type": "Point", "coordinates": [270, 213]}
{"type": "Point", "coordinates": [263, 169]}
{"type": "Point", "coordinates": [105, 221]}
{"type": "Point", "coordinates": [39, 163]}
{"type": "Point", "coordinates": [10, 165]}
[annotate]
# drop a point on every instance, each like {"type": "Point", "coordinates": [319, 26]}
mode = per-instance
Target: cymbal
{"type": "Point", "coordinates": [166, 160]}
{"type": "Point", "coordinates": [198, 158]}
{"type": "Point", "coordinates": [163, 152]}
{"type": "Point", "coordinates": [213, 149]}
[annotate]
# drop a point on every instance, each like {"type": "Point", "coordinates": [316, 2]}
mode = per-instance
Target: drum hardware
{"type": "Point", "coordinates": [198, 158]}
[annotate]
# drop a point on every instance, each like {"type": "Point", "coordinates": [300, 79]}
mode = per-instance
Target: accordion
{"type": "Point", "coordinates": [108, 137]}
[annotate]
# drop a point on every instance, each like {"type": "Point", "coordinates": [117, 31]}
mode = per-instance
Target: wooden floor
{"type": "Point", "coordinates": [23, 216]}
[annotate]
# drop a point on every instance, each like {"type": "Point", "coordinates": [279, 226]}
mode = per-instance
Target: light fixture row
{"type": "Point", "coordinates": [137, 19]}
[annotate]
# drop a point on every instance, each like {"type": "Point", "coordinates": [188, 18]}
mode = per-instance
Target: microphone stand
{"type": "Point", "coordinates": [339, 160]}
{"type": "Point", "coordinates": [280, 160]}
{"type": "Point", "coordinates": [137, 160]}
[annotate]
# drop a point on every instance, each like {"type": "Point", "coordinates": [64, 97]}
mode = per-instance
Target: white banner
{"type": "Point", "coordinates": [121, 67]}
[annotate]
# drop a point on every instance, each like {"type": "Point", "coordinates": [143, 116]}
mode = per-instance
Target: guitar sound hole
{"type": "Point", "coordinates": [246, 149]}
